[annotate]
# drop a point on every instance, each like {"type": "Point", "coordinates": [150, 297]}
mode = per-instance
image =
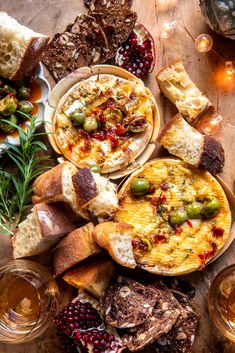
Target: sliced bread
{"type": "Point", "coordinates": [41, 230]}
{"type": "Point", "coordinates": [176, 85]}
{"type": "Point", "coordinates": [92, 276]}
{"type": "Point", "coordinates": [20, 48]}
{"type": "Point", "coordinates": [116, 238]}
{"type": "Point", "coordinates": [105, 204]}
{"type": "Point", "coordinates": [185, 142]}
{"type": "Point", "coordinates": [56, 185]}
{"type": "Point", "coordinates": [77, 246]}
{"type": "Point", "coordinates": [85, 186]}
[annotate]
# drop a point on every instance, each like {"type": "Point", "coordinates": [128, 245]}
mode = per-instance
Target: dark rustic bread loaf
{"type": "Point", "coordinates": [127, 303]}
{"type": "Point", "coordinates": [94, 36]}
{"type": "Point", "coordinates": [65, 53]}
{"type": "Point", "coordinates": [180, 339]}
{"type": "Point", "coordinates": [116, 19]}
{"type": "Point", "coordinates": [160, 322]}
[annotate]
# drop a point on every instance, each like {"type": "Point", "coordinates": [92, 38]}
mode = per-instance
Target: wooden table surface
{"type": "Point", "coordinates": [51, 16]}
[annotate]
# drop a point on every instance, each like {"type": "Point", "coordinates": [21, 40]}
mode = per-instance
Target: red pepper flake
{"type": "Point", "coordinates": [162, 199]}
{"type": "Point", "coordinates": [101, 136]}
{"type": "Point", "coordinates": [158, 238]}
{"type": "Point", "coordinates": [70, 147]}
{"type": "Point", "coordinates": [189, 223]}
{"type": "Point", "coordinates": [208, 253]}
{"type": "Point", "coordinates": [151, 190]}
{"type": "Point", "coordinates": [113, 139]}
{"type": "Point", "coordinates": [120, 130]}
{"type": "Point", "coordinates": [164, 186]}
{"type": "Point", "coordinates": [218, 231]}
{"type": "Point", "coordinates": [11, 94]}
{"type": "Point", "coordinates": [178, 229]}
{"type": "Point", "coordinates": [135, 243]}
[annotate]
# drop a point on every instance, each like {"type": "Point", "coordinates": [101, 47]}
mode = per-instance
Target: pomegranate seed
{"type": "Point", "coordinates": [147, 64]}
{"type": "Point", "coordinates": [133, 42]}
{"type": "Point", "coordinates": [147, 44]}
{"type": "Point", "coordinates": [141, 65]}
{"type": "Point", "coordinates": [149, 58]}
{"type": "Point", "coordinates": [127, 47]}
{"type": "Point", "coordinates": [121, 51]}
{"type": "Point", "coordinates": [86, 338]}
{"type": "Point", "coordinates": [135, 66]}
{"type": "Point", "coordinates": [141, 48]}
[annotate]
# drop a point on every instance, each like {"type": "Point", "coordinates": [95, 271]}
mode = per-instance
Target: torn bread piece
{"type": "Point", "coordinates": [185, 142]}
{"type": "Point", "coordinates": [105, 205]}
{"type": "Point", "coordinates": [92, 276]}
{"type": "Point", "coordinates": [176, 85]}
{"type": "Point", "coordinates": [85, 186]}
{"type": "Point", "coordinates": [116, 238]}
{"type": "Point", "coordinates": [128, 303]}
{"type": "Point", "coordinates": [41, 230]}
{"type": "Point", "coordinates": [56, 185]}
{"type": "Point", "coordinates": [77, 246]}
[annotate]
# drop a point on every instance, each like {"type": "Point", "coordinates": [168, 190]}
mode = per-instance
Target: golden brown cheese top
{"type": "Point", "coordinates": [159, 246]}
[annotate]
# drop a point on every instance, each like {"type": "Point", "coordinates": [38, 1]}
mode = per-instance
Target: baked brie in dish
{"type": "Point", "coordinates": [104, 120]}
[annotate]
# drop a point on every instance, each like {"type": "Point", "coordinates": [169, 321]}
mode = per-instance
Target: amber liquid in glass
{"type": "Point", "coordinates": [19, 304]}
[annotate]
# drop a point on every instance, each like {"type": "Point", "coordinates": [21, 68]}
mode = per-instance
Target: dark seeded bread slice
{"type": "Point", "coordinates": [180, 339]}
{"type": "Point", "coordinates": [128, 303]}
{"type": "Point", "coordinates": [94, 36]}
{"type": "Point", "coordinates": [65, 53]}
{"type": "Point", "coordinates": [163, 318]}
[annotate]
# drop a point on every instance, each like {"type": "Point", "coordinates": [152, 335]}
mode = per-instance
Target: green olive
{"type": "Point", "coordinates": [24, 93]}
{"type": "Point", "coordinates": [113, 114]}
{"type": "Point", "coordinates": [95, 168]}
{"type": "Point", "coordinates": [6, 89]}
{"type": "Point", "coordinates": [140, 186]}
{"type": "Point", "coordinates": [194, 210]}
{"type": "Point", "coordinates": [178, 217]}
{"type": "Point", "coordinates": [211, 207]}
{"type": "Point", "coordinates": [7, 127]}
{"type": "Point", "coordinates": [25, 107]}
{"type": "Point", "coordinates": [78, 118]}
{"type": "Point", "coordinates": [90, 124]}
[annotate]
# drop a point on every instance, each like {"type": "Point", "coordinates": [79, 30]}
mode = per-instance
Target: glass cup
{"type": "Point", "coordinates": [28, 300]}
{"type": "Point", "coordinates": [221, 302]}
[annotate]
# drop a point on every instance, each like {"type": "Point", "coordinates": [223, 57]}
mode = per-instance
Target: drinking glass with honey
{"type": "Point", "coordinates": [28, 299]}
{"type": "Point", "coordinates": [221, 302]}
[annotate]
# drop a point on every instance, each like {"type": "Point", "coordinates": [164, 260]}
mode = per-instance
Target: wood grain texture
{"type": "Point", "coordinates": [50, 16]}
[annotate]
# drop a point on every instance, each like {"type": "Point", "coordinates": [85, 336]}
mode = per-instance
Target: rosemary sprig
{"type": "Point", "coordinates": [16, 187]}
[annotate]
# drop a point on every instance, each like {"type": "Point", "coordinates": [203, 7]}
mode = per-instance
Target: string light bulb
{"type": "Point", "coordinates": [203, 43]}
{"type": "Point", "coordinates": [168, 29]}
{"type": "Point", "coordinates": [229, 70]}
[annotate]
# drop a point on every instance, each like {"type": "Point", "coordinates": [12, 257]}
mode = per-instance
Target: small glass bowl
{"type": "Point", "coordinates": [221, 302]}
{"type": "Point", "coordinates": [28, 300]}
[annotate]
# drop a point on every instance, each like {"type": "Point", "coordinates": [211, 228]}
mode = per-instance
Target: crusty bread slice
{"type": "Point", "coordinates": [41, 230]}
{"type": "Point", "coordinates": [185, 142]}
{"type": "Point", "coordinates": [77, 246]}
{"type": "Point", "coordinates": [20, 48]}
{"type": "Point", "coordinates": [176, 85]}
{"type": "Point", "coordinates": [56, 185]}
{"type": "Point", "coordinates": [85, 186]}
{"type": "Point", "coordinates": [116, 238]}
{"type": "Point", "coordinates": [105, 205]}
{"type": "Point", "coordinates": [92, 276]}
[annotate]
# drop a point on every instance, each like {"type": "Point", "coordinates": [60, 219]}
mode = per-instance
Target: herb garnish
{"type": "Point", "coordinates": [16, 184]}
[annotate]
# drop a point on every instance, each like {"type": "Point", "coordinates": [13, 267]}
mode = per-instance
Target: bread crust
{"type": "Point", "coordinates": [168, 125]}
{"type": "Point", "coordinates": [48, 186]}
{"type": "Point", "coordinates": [85, 186]}
{"type": "Point", "coordinates": [93, 275]}
{"type": "Point", "coordinates": [53, 220]}
{"type": "Point", "coordinates": [77, 246]}
{"type": "Point", "coordinates": [212, 157]}
{"type": "Point", "coordinates": [31, 57]}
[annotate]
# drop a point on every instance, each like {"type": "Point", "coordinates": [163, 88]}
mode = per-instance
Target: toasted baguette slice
{"type": "Point", "coordinates": [185, 142]}
{"type": "Point", "coordinates": [116, 238]}
{"type": "Point", "coordinates": [92, 276]}
{"type": "Point", "coordinates": [175, 84]}
{"type": "Point", "coordinates": [74, 248]}
{"type": "Point", "coordinates": [20, 48]}
{"type": "Point", "coordinates": [41, 230]}
{"type": "Point", "coordinates": [56, 185]}
{"type": "Point", "coordinates": [105, 205]}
